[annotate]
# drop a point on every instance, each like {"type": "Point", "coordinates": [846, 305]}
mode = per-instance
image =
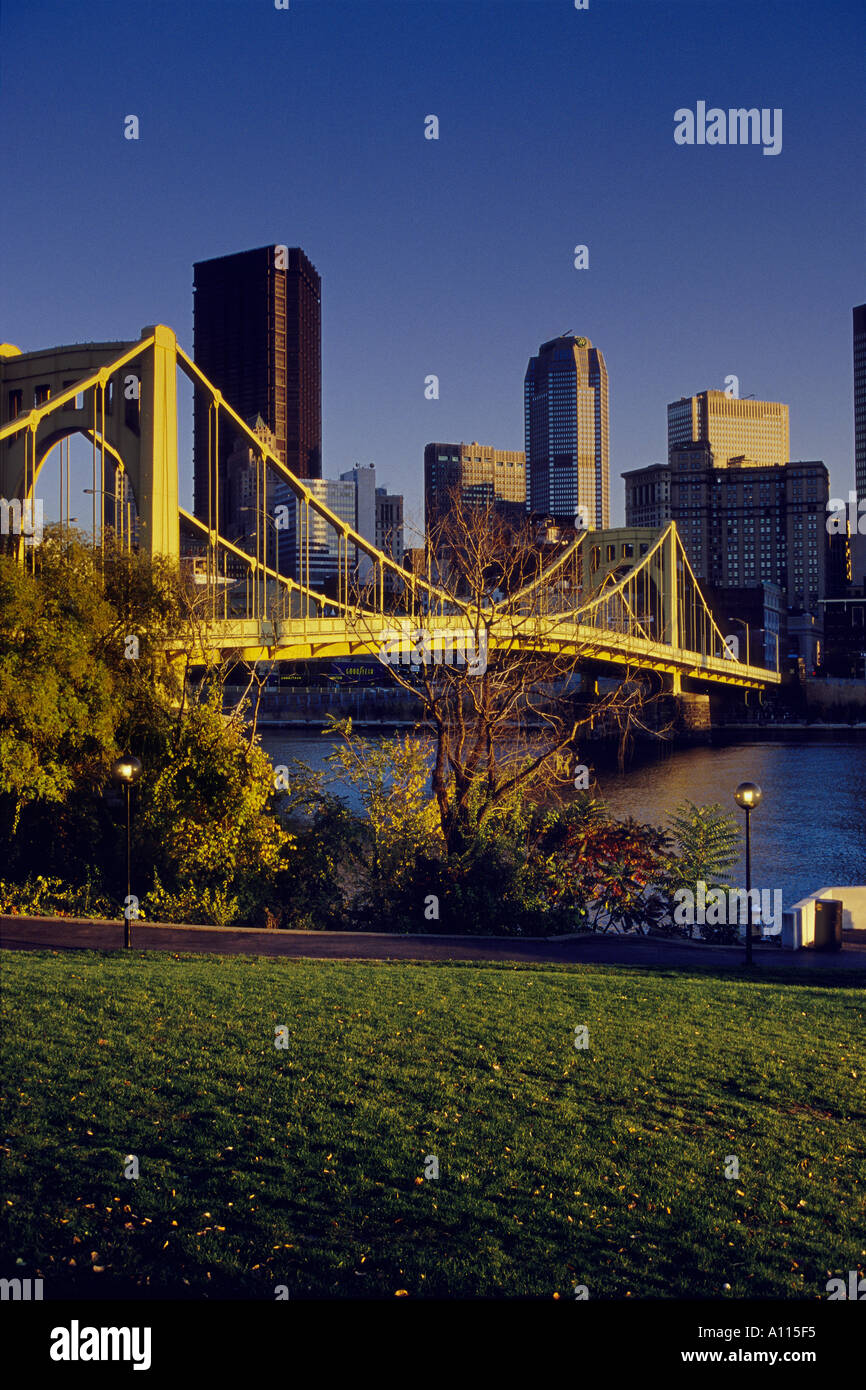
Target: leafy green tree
{"type": "Point", "coordinates": [497, 885]}
{"type": "Point", "coordinates": [318, 887]}
{"type": "Point", "coordinates": [706, 844]}
{"type": "Point", "coordinates": [58, 702]}
{"type": "Point", "coordinates": [86, 672]}
{"type": "Point", "coordinates": [206, 819]}
{"type": "Point", "coordinates": [401, 822]}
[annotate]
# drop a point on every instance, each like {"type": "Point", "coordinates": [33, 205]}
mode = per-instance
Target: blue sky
{"type": "Point", "coordinates": [455, 256]}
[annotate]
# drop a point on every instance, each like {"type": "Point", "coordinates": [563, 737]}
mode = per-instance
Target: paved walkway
{"type": "Point", "coordinates": [40, 933]}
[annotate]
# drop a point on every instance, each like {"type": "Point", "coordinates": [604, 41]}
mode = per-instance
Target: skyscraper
{"type": "Point", "coordinates": [257, 337]}
{"type": "Point", "coordinates": [858, 536]}
{"type": "Point", "coordinates": [733, 428]}
{"type": "Point", "coordinates": [860, 400]}
{"type": "Point", "coordinates": [567, 432]}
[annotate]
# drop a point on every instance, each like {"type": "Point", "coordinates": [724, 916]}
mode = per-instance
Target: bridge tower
{"type": "Point", "coordinates": [670, 593]}
{"type": "Point", "coordinates": [122, 396]}
{"type": "Point", "coordinates": [157, 500]}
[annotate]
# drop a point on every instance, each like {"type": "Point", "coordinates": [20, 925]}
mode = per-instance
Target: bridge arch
{"type": "Point", "coordinates": [112, 502]}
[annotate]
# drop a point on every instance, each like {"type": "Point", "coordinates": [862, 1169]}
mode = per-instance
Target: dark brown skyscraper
{"type": "Point", "coordinates": [860, 400]}
{"type": "Point", "coordinates": [258, 337]}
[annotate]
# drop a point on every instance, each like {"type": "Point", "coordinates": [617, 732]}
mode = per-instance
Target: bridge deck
{"type": "Point", "coordinates": [314, 638]}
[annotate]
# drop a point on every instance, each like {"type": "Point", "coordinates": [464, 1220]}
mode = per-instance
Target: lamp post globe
{"type": "Point", "coordinates": [126, 772]}
{"type": "Point", "coordinates": [748, 796]}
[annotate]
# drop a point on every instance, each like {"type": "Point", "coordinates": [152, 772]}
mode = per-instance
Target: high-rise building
{"type": "Point", "coordinates": [323, 545]}
{"type": "Point", "coordinates": [860, 400]}
{"type": "Point", "coordinates": [483, 474]}
{"type": "Point", "coordinates": [845, 634]}
{"type": "Point", "coordinates": [244, 482]}
{"type": "Point", "coordinates": [364, 483]}
{"type": "Point", "coordinates": [370, 511]}
{"type": "Point", "coordinates": [648, 496]}
{"type": "Point", "coordinates": [257, 337]}
{"type": "Point", "coordinates": [755, 614]}
{"type": "Point", "coordinates": [567, 433]}
{"type": "Point", "coordinates": [756, 431]}
{"type": "Point", "coordinates": [858, 538]}
{"type": "Point", "coordinates": [742, 524]}
{"type": "Point", "coordinates": [389, 532]}
{"type": "Point", "coordinates": [123, 509]}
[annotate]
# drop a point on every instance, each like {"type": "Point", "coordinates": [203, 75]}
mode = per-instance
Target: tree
{"type": "Point", "coordinates": [95, 655]}
{"type": "Point", "coordinates": [205, 820]}
{"type": "Point", "coordinates": [400, 821]}
{"type": "Point", "coordinates": [492, 655]}
{"type": "Point", "coordinates": [58, 706]}
{"type": "Point", "coordinates": [609, 872]}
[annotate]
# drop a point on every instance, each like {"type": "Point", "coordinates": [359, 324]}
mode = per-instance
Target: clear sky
{"type": "Point", "coordinates": [455, 257]}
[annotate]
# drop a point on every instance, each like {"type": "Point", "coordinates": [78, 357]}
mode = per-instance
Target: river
{"type": "Point", "coordinates": [809, 831]}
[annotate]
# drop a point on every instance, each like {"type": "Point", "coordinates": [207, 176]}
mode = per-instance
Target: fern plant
{"type": "Point", "coordinates": [707, 845]}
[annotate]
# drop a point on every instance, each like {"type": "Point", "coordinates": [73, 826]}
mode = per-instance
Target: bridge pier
{"type": "Point", "coordinates": [690, 712]}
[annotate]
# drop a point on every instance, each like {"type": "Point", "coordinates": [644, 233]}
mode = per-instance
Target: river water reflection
{"type": "Point", "coordinates": [808, 833]}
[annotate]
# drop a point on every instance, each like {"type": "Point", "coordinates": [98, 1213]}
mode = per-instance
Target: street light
{"type": "Point", "coordinates": [126, 771]}
{"type": "Point", "coordinates": [748, 796]}
{"type": "Point", "coordinates": [124, 502]}
{"type": "Point", "coordinates": [744, 624]}
{"type": "Point", "coordinates": [269, 520]}
{"type": "Point", "coordinates": [254, 535]}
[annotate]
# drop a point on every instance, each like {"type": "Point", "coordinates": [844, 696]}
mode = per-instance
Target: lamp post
{"type": "Point", "coordinates": [126, 771]}
{"type": "Point", "coordinates": [269, 521]}
{"type": "Point", "coordinates": [254, 535]}
{"type": "Point", "coordinates": [748, 796]}
{"type": "Point", "coordinates": [745, 625]}
{"type": "Point", "coordinates": [124, 502]}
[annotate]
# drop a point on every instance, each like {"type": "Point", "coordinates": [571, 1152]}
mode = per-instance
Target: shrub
{"type": "Point", "coordinates": [607, 873]}
{"type": "Point", "coordinates": [45, 896]}
{"type": "Point", "coordinates": [707, 845]}
{"type": "Point", "coordinates": [205, 906]}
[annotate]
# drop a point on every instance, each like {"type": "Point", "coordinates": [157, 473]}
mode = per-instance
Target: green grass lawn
{"type": "Point", "coordinates": [304, 1166]}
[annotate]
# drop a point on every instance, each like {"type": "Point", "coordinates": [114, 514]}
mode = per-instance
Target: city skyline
{"type": "Point", "coordinates": [678, 300]}
{"type": "Point", "coordinates": [433, 669]}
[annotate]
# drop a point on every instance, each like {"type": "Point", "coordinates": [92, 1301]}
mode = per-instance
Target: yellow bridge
{"type": "Point", "coordinates": [630, 603]}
